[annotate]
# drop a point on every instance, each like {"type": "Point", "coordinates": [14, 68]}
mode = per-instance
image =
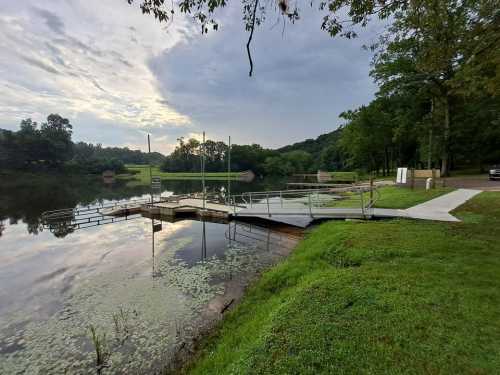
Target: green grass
{"type": "Point", "coordinates": [402, 197]}
{"type": "Point", "coordinates": [380, 297]}
{"type": "Point", "coordinates": [391, 197]}
{"type": "Point", "coordinates": [139, 174]}
{"type": "Point", "coordinates": [344, 176]}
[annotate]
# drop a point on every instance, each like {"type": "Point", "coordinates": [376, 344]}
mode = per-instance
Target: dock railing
{"type": "Point", "coordinates": [305, 201]}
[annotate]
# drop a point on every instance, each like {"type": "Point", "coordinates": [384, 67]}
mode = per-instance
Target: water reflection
{"type": "Point", "coordinates": [147, 283]}
{"type": "Point", "coordinates": [24, 199]}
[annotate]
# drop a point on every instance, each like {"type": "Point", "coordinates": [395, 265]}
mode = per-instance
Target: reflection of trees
{"type": "Point", "coordinates": [25, 197]}
{"type": "Point", "coordinates": [62, 228]}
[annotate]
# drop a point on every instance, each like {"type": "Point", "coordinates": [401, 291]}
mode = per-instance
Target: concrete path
{"type": "Point", "coordinates": [439, 208]}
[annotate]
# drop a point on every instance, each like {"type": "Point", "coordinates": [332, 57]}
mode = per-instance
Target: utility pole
{"type": "Point", "coordinates": [150, 171]}
{"type": "Point", "coordinates": [229, 169]}
{"type": "Point", "coordinates": [429, 155]}
{"type": "Point", "coordinates": [203, 169]}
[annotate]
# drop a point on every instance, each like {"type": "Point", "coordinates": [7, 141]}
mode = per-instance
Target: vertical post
{"type": "Point", "coordinates": [250, 196]}
{"type": "Point", "coordinates": [281, 198]}
{"type": "Point", "coordinates": [203, 169]}
{"type": "Point", "coordinates": [229, 168]}
{"type": "Point", "coordinates": [310, 204]}
{"type": "Point", "coordinates": [362, 202]}
{"type": "Point", "coordinates": [268, 210]}
{"type": "Point", "coordinates": [371, 190]}
{"type": "Point", "coordinates": [150, 171]}
{"type": "Point", "coordinates": [429, 153]}
{"type": "Point", "coordinates": [412, 181]}
{"type": "Point", "coordinates": [433, 178]}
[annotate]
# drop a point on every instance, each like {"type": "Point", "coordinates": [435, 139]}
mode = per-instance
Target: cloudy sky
{"type": "Point", "coordinates": [118, 75]}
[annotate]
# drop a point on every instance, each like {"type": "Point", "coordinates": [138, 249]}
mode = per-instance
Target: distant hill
{"type": "Point", "coordinates": [314, 146]}
{"type": "Point", "coordinates": [324, 150]}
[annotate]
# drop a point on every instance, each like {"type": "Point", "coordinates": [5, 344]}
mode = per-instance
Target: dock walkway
{"type": "Point", "coordinates": [297, 212]}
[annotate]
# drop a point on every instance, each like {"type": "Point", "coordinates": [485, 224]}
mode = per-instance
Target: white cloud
{"type": "Point", "coordinates": [84, 57]}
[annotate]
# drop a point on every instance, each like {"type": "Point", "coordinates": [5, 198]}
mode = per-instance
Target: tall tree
{"type": "Point", "coordinates": [56, 137]}
{"type": "Point", "coordinates": [429, 46]}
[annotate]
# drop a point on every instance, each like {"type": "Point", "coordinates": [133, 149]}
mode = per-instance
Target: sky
{"type": "Point", "coordinates": [119, 75]}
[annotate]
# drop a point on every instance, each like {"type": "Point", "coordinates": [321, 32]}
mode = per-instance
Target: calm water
{"type": "Point", "coordinates": [145, 286]}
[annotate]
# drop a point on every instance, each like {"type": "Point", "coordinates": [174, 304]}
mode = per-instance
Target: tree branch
{"type": "Point", "coordinates": [252, 28]}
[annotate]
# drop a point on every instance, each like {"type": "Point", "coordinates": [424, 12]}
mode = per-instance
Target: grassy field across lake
{"type": "Point", "coordinates": [139, 174]}
{"type": "Point", "coordinates": [378, 297]}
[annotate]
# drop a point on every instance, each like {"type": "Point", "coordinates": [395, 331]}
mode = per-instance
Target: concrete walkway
{"type": "Point", "coordinates": [439, 208]}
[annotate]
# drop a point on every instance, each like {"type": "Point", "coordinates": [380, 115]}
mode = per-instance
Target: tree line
{"type": "Point", "coordinates": [49, 146]}
{"type": "Point", "coordinates": [302, 157]}
{"type": "Point", "coordinates": [437, 104]}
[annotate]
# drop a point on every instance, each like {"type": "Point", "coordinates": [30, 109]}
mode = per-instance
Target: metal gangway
{"type": "Point", "coordinates": [355, 201]}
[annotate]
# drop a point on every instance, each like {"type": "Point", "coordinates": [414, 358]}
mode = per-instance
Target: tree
{"type": "Point", "coordinates": [432, 45]}
{"type": "Point", "coordinates": [55, 134]}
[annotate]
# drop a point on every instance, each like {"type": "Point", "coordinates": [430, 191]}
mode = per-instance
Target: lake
{"type": "Point", "coordinates": [138, 290]}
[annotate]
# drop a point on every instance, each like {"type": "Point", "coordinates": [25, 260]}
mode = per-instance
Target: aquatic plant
{"type": "Point", "coordinates": [121, 325]}
{"type": "Point", "coordinates": [101, 348]}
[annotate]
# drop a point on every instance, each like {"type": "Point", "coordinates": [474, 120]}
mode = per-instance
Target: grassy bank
{"type": "Point", "coordinates": [392, 197]}
{"type": "Point", "coordinates": [386, 297]}
{"type": "Point", "coordinates": [139, 174]}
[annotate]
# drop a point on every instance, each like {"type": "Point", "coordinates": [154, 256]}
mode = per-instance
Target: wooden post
{"type": "Point", "coordinates": [412, 181]}
{"type": "Point", "coordinates": [433, 178]}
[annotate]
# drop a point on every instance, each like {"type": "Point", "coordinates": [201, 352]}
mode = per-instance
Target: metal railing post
{"type": "Point", "coordinates": [250, 195]}
{"type": "Point", "coordinates": [281, 198]}
{"type": "Point", "coordinates": [268, 210]}
{"type": "Point", "coordinates": [362, 203]}
{"type": "Point", "coordinates": [310, 205]}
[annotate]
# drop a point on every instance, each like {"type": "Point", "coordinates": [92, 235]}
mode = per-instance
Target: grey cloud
{"type": "Point", "coordinates": [52, 21]}
{"type": "Point", "coordinates": [118, 56]}
{"type": "Point", "coordinates": [39, 64]}
{"type": "Point", "coordinates": [302, 80]}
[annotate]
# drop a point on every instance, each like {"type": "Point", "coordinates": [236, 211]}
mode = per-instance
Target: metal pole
{"type": "Point", "coordinates": [229, 168]}
{"type": "Point", "coordinates": [268, 211]}
{"type": "Point", "coordinates": [310, 204]}
{"type": "Point", "coordinates": [250, 196]}
{"type": "Point", "coordinates": [362, 203]}
{"type": "Point", "coordinates": [150, 171]}
{"type": "Point", "coordinates": [429, 153]}
{"type": "Point", "coordinates": [371, 190]}
{"type": "Point", "coordinates": [203, 169]}
{"type": "Point", "coordinates": [281, 198]}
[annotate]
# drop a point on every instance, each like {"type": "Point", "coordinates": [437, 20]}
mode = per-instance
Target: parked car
{"type": "Point", "coordinates": [495, 172]}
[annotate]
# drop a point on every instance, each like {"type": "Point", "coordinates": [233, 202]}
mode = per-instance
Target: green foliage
{"type": "Point", "coordinates": [380, 297]}
{"type": "Point", "coordinates": [297, 161]}
{"type": "Point", "coordinates": [49, 146]}
{"type": "Point", "coordinates": [324, 150]}
{"type": "Point", "coordinates": [187, 157]}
